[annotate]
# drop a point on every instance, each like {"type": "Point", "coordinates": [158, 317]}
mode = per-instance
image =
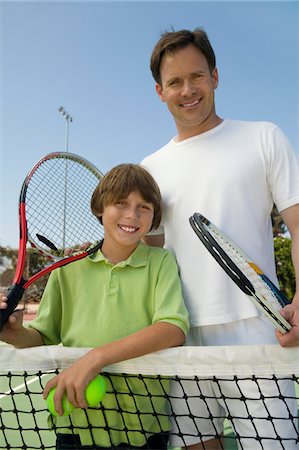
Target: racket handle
{"type": "Point", "coordinates": [14, 295]}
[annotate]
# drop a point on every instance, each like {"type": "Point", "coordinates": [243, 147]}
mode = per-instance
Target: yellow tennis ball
{"type": "Point", "coordinates": [94, 394]}
{"type": "Point", "coordinates": [95, 391]}
{"type": "Point", "coordinates": [66, 404]}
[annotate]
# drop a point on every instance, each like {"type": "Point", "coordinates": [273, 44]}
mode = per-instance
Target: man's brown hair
{"type": "Point", "coordinates": [171, 41]}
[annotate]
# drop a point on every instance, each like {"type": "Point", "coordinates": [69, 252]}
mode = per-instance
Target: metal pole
{"type": "Point", "coordinates": [68, 118]}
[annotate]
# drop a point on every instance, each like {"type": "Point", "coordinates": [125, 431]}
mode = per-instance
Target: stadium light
{"type": "Point", "coordinates": [68, 118]}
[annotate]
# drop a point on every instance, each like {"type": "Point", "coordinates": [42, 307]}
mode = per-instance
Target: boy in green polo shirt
{"type": "Point", "coordinates": [124, 301]}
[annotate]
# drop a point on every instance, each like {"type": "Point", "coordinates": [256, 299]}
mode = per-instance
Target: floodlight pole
{"type": "Point", "coordinates": [68, 118]}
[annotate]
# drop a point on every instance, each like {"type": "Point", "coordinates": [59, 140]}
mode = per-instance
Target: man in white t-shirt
{"type": "Point", "coordinates": [231, 172]}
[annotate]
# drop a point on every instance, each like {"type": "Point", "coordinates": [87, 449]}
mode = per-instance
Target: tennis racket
{"type": "Point", "coordinates": [55, 215]}
{"type": "Point", "coordinates": [245, 273]}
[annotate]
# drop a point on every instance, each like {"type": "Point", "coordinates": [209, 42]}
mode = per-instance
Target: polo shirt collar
{"type": "Point", "coordinates": [137, 259]}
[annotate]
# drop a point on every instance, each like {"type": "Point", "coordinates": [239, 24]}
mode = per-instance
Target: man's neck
{"type": "Point", "coordinates": [186, 133]}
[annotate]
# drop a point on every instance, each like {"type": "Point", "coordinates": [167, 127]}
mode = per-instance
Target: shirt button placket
{"type": "Point", "coordinates": [113, 284]}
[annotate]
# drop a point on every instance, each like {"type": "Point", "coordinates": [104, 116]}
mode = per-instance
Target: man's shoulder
{"type": "Point", "coordinates": [156, 155]}
{"type": "Point", "coordinates": [252, 125]}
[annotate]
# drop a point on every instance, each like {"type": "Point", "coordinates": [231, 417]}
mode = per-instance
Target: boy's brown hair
{"type": "Point", "coordinates": [117, 185]}
{"type": "Point", "coordinates": [171, 41]}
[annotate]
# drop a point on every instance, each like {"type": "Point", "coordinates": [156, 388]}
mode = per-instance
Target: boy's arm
{"type": "Point", "coordinates": [15, 333]}
{"type": "Point", "coordinates": [74, 380]}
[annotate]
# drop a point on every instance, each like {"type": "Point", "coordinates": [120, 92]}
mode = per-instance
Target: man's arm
{"type": "Point", "coordinates": [291, 219]}
{"type": "Point", "coordinates": [154, 240]}
{"type": "Point", "coordinates": [291, 313]}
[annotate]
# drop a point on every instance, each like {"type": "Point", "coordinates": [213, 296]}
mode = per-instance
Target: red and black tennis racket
{"type": "Point", "coordinates": [243, 271]}
{"type": "Point", "coordinates": [55, 215]}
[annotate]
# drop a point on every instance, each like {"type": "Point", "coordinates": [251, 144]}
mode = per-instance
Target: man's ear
{"type": "Point", "coordinates": [159, 91]}
{"type": "Point", "coordinates": [215, 78]}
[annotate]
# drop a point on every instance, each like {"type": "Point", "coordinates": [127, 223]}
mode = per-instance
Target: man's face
{"type": "Point", "coordinates": [187, 87]}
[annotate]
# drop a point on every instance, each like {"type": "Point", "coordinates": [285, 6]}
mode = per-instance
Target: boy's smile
{"type": "Point", "coordinates": [128, 229]}
{"type": "Point", "coordinates": [125, 223]}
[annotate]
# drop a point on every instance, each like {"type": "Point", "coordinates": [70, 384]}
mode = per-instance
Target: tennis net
{"type": "Point", "coordinates": [144, 392]}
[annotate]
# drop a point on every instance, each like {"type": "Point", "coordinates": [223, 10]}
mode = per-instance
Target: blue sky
{"type": "Point", "coordinates": [93, 58]}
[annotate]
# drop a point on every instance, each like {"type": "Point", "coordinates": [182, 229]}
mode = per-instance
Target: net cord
{"type": "Point", "coordinates": [181, 361]}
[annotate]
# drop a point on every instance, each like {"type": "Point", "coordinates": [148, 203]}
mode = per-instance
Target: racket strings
{"type": "Point", "coordinates": [255, 279]}
{"type": "Point", "coordinates": [58, 206]}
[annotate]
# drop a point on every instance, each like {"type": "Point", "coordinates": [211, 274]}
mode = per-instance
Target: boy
{"type": "Point", "coordinates": [124, 301]}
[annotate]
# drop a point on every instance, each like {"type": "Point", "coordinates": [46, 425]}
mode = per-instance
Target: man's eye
{"type": "Point", "coordinates": [196, 76]}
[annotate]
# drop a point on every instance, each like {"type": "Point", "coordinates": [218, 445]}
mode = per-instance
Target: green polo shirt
{"type": "Point", "coordinates": [92, 302]}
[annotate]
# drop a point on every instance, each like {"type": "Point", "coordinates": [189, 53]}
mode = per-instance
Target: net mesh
{"type": "Point", "coordinates": [143, 393]}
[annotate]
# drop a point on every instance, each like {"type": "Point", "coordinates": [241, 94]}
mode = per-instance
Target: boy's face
{"type": "Point", "coordinates": [127, 221]}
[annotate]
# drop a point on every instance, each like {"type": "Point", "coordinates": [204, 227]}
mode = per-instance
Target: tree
{"type": "Point", "coordinates": [278, 225]}
{"type": "Point", "coordinates": [283, 259]}
{"type": "Point", "coordinates": [34, 263]}
{"type": "Point", "coordinates": [284, 267]}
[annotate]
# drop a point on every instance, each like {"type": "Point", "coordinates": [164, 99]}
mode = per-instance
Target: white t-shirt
{"type": "Point", "coordinates": [231, 174]}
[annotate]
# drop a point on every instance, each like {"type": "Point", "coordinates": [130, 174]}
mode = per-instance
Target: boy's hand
{"type": "Point", "coordinates": [3, 301]}
{"type": "Point", "coordinates": [78, 248]}
{"type": "Point", "coordinates": [73, 382]}
{"type": "Point", "coordinates": [15, 333]}
{"type": "Point", "coordinates": [13, 324]}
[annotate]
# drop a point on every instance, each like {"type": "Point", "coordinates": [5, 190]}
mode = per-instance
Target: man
{"type": "Point", "coordinates": [232, 172]}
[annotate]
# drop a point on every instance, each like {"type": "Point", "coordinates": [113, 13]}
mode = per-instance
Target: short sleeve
{"type": "Point", "coordinates": [169, 302]}
{"type": "Point", "coordinates": [48, 319]}
{"type": "Point", "coordinates": [283, 171]}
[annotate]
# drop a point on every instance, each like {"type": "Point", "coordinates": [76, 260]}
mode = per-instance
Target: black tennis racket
{"type": "Point", "coordinates": [55, 215]}
{"type": "Point", "coordinates": [245, 273]}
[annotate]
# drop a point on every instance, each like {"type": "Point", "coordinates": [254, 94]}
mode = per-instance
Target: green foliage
{"type": "Point", "coordinates": [33, 264]}
{"type": "Point", "coordinates": [278, 225]}
{"type": "Point", "coordinates": [284, 267]}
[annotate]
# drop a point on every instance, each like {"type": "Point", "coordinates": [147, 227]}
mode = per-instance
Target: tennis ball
{"type": "Point", "coordinates": [94, 394]}
{"type": "Point", "coordinates": [95, 391]}
{"type": "Point", "coordinates": [66, 405]}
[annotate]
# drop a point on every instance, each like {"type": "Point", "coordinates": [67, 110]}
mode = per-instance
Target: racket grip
{"type": "Point", "coordinates": [14, 295]}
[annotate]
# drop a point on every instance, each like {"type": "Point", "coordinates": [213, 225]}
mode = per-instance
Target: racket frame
{"type": "Point", "coordinates": [203, 229]}
{"type": "Point", "coordinates": [16, 290]}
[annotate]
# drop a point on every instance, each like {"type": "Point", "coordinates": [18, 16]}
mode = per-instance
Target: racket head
{"type": "Point", "coordinates": [55, 217]}
{"type": "Point", "coordinates": [241, 269]}
{"type": "Point", "coordinates": [56, 194]}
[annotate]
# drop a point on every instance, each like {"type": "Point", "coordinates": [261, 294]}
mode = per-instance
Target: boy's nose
{"type": "Point", "coordinates": [132, 212]}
